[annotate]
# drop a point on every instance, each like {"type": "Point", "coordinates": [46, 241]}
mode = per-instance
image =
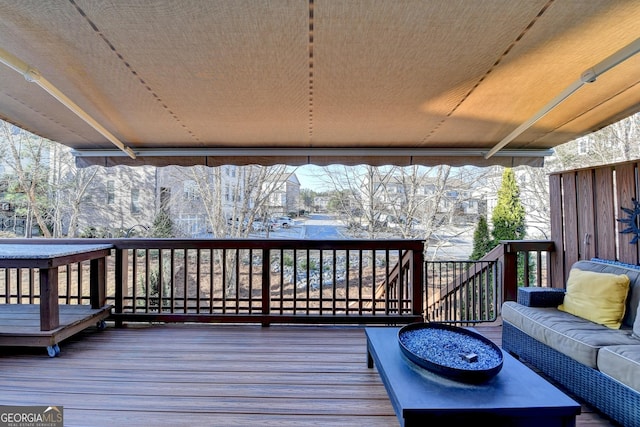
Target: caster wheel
{"type": "Point", "coordinates": [53, 350]}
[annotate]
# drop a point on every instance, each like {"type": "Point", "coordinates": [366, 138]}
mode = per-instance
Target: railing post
{"type": "Point", "coordinates": [266, 284]}
{"type": "Point", "coordinates": [122, 267]}
{"type": "Point", "coordinates": [49, 310]}
{"type": "Point", "coordinates": [417, 282]}
{"type": "Point", "coordinates": [509, 274]}
{"type": "Point", "coordinates": [97, 275]}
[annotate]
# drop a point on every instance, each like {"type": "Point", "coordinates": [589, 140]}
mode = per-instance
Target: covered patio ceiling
{"type": "Point", "coordinates": [401, 82]}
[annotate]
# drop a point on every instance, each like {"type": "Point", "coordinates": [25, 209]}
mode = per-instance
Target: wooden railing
{"type": "Point", "coordinates": [473, 291]}
{"type": "Point", "coordinates": [292, 281]}
{"type": "Point", "coordinates": [462, 291]}
{"type": "Point", "coordinates": [261, 281]}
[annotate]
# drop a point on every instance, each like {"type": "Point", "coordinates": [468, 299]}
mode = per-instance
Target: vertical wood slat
{"type": "Point", "coordinates": [160, 281]}
{"type": "Point", "coordinates": [185, 277]}
{"type": "Point", "coordinates": [387, 294]}
{"type": "Point", "coordinates": [334, 288]}
{"type": "Point", "coordinates": [121, 274]}
{"type": "Point", "coordinates": [68, 285]}
{"type": "Point", "coordinates": [237, 280]}
{"type": "Point", "coordinates": [79, 280]}
{"type": "Point", "coordinates": [147, 280]}
{"type": "Point", "coordinates": [7, 286]}
{"type": "Point", "coordinates": [19, 285]}
{"type": "Point", "coordinates": [295, 280]}
{"type": "Point", "coordinates": [605, 240]}
{"type": "Point", "coordinates": [134, 278]}
{"type": "Point", "coordinates": [373, 287]}
{"type": "Point", "coordinates": [32, 286]}
{"type": "Point", "coordinates": [346, 282]}
{"type": "Point", "coordinates": [212, 282]}
{"type": "Point", "coordinates": [571, 219]}
{"type": "Point", "coordinates": [586, 214]}
{"type": "Point", "coordinates": [626, 190]}
{"type": "Point", "coordinates": [266, 281]}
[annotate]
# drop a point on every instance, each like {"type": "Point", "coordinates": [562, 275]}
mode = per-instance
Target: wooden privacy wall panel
{"type": "Point", "coordinates": [584, 211]}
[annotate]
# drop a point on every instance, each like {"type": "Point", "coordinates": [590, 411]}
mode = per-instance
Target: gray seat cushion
{"type": "Point", "coordinates": [573, 336]}
{"type": "Point", "coordinates": [622, 363]}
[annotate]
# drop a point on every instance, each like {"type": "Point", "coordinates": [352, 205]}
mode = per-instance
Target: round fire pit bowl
{"type": "Point", "coordinates": [451, 351]}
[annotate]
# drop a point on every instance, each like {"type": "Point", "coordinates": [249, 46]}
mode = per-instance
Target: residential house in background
{"type": "Point", "coordinates": [321, 203]}
{"type": "Point", "coordinates": [201, 200]}
{"type": "Point", "coordinates": [284, 197]}
{"type": "Point", "coordinates": [120, 201]}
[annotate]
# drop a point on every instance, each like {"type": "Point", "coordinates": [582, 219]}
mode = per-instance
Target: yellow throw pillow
{"type": "Point", "coordinates": [598, 297]}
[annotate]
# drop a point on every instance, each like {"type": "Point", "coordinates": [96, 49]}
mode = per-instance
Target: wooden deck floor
{"type": "Point", "coordinates": [209, 375]}
{"type": "Point", "coordinates": [20, 323]}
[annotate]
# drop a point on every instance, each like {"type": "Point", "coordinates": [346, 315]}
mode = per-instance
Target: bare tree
{"type": "Point", "coordinates": [358, 195]}
{"type": "Point", "coordinates": [71, 186]}
{"type": "Point", "coordinates": [617, 142]}
{"type": "Point", "coordinates": [27, 157]}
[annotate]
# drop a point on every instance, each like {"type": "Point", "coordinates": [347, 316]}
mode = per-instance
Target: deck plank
{"type": "Point", "coordinates": [227, 375]}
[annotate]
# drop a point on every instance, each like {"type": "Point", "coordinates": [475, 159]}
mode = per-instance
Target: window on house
{"type": "Point", "coordinates": [111, 193]}
{"type": "Point", "coordinates": [135, 200]}
{"type": "Point", "coordinates": [190, 190]}
{"type": "Point", "coordinates": [583, 146]}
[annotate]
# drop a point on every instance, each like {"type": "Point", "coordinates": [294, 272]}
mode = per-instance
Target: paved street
{"type": "Point", "coordinates": [451, 243]}
{"type": "Point", "coordinates": [323, 227]}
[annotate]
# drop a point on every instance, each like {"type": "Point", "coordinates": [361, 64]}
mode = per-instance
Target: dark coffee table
{"type": "Point", "coordinates": [517, 396]}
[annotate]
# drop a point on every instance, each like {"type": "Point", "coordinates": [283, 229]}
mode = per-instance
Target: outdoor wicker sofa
{"type": "Point", "coordinates": [596, 362]}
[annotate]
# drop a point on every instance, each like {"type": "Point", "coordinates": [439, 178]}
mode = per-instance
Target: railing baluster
{"type": "Point", "coordinates": [32, 286]}
{"type": "Point", "coordinates": [308, 272]}
{"type": "Point", "coordinates": [321, 280]}
{"type": "Point", "coordinates": [347, 265]}
{"type": "Point", "coordinates": [146, 279]}
{"type": "Point", "coordinates": [212, 282]}
{"type": "Point", "coordinates": [250, 296]}
{"type": "Point", "coordinates": [237, 280]}
{"type": "Point", "coordinates": [7, 286]}
{"type": "Point", "coordinates": [67, 275]}
{"type": "Point", "coordinates": [525, 258]}
{"type": "Point", "coordinates": [388, 297]}
{"type": "Point", "coordinates": [224, 281]}
{"type": "Point", "coordinates": [539, 268]}
{"type": "Point", "coordinates": [134, 279]}
{"type": "Point", "coordinates": [334, 291]}
{"type": "Point", "coordinates": [266, 281]}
